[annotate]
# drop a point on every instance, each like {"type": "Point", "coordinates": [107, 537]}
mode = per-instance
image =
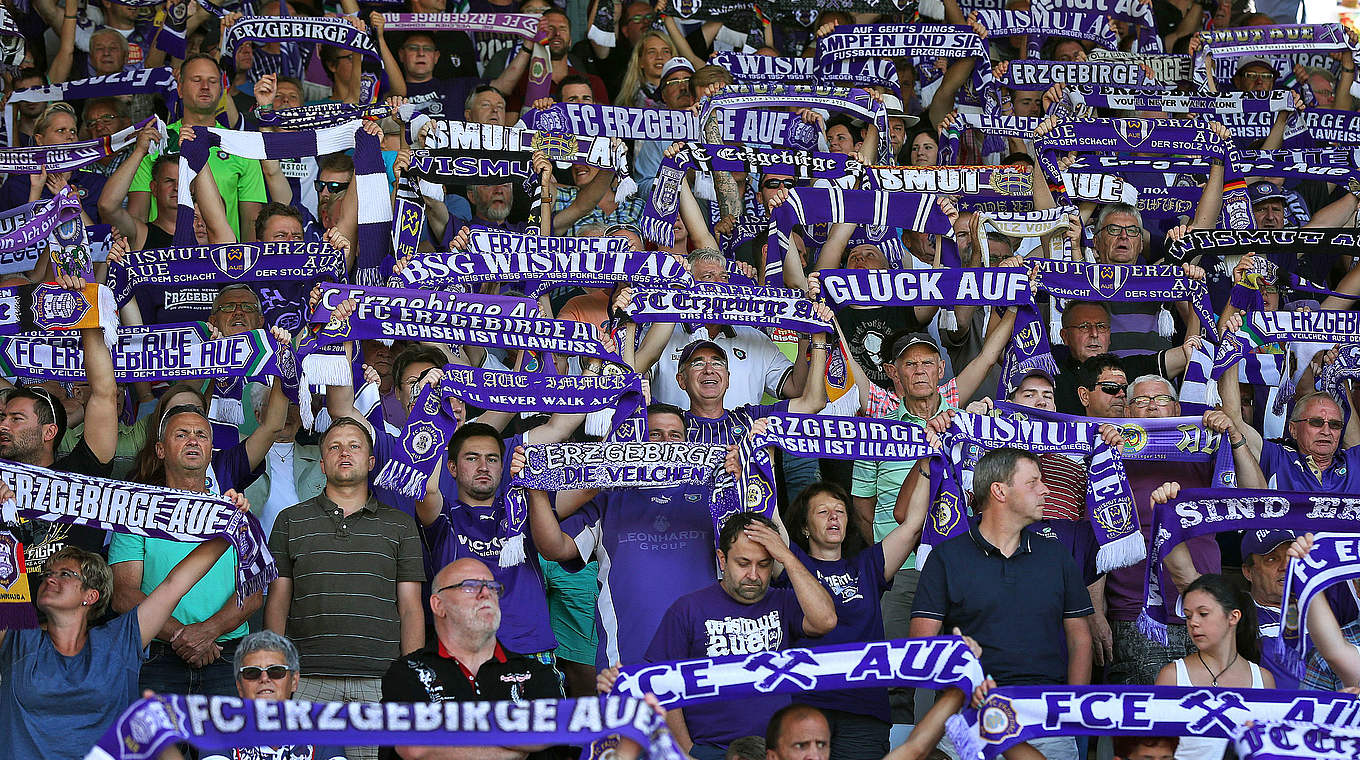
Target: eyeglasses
{"type": "Point", "coordinates": [334, 187]}
{"type": "Point", "coordinates": [1122, 230]}
{"type": "Point", "coordinates": [1318, 422]}
{"type": "Point", "coordinates": [249, 308]}
{"type": "Point", "coordinates": [677, 80]}
{"type": "Point", "coordinates": [1162, 399]}
{"type": "Point", "coordinates": [1098, 327]}
{"type": "Point", "coordinates": [276, 672]}
{"type": "Point", "coordinates": [775, 184]}
{"type": "Point", "coordinates": [642, 17]}
{"type": "Point", "coordinates": [1111, 388]}
{"type": "Point", "coordinates": [475, 586]}
{"type": "Point", "coordinates": [103, 119]}
{"type": "Point", "coordinates": [700, 365]}
{"type": "Point", "coordinates": [62, 575]}
{"type": "Point", "coordinates": [420, 48]}
{"type": "Point", "coordinates": [1259, 76]}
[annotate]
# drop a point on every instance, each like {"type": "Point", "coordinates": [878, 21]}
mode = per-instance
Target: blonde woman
{"type": "Point", "coordinates": [644, 70]}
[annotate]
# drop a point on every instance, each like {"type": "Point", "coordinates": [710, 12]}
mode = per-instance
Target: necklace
{"type": "Point", "coordinates": [1213, 677]}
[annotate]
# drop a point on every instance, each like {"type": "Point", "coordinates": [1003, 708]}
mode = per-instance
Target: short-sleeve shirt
{"type": "Point", "coordinates": [755, 366]}
{"type": "Point", "coordinates": [710, 623]}
{"type": "Point", "coordinates": [442, 98]}
{"type": "Point", "coordinates": [159, 556]}
{"type": "Point", "coordinates": [654, 545]}
{"type": "Point", "coordinates": [856, 585]}
{"type": "Point", "coordinates": [1013, 606]}
{"type": "Point", "coordinates": [1065, 384]}
{"type": "Point", "coordinates": [54, 706]}
{"type": "Point", "coordinates": [238, 179]}
{"type": "Point", "coordinates": [1288, 470]}
{"type": "Point", "coordinates": [882, 480]}
{"type": "Point", "coordinates": [345, 571]}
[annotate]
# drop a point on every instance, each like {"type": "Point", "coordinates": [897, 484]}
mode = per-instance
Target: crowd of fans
{"type": "Point", "coordinates": [381, 597]}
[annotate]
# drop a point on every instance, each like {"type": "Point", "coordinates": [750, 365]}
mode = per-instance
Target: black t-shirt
{"type": "Point", "coordinates": [867, 329]}
{"type": "Point", "coordinates": [41, 539]}
{"type": "Point", "coordinates": [1065, 384]}
{"type": "Point", "coordinates": [432, 675]}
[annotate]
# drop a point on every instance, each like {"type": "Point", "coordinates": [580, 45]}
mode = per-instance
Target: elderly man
{"type": "Point", "coordinates": [1086, 331]}
{"type": "Point", "coordinates": [266, 667]}
{"type": "Point", "coordinates": [1133, 658]}
{"type": "Point", "coordinates": [466, 662]}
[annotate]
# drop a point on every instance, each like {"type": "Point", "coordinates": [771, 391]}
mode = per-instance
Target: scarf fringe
{"type": "Point", "coordinates": [512, 551]}
{"type": "Point", "coordinates": [108, 316]}
{"type": "Point", "coordinates": [1286, 656]}
{"type": "Point", "coordinates": [1166, 326]}
{"type": "Point", "coordinates": [627, 188]}
{"type": "Point", "coordinates": [402, 478]}
{"type": "Point", "coordinates": [964, 736]}
{"type": "Point", "coordinates": [1121, 552]}
{"type": "Point", "coordinates": [228, 411]}
{"type": "Point", "coordinates": [1154, 630]}
{"type": "Point", "coordinates": [326, 369]}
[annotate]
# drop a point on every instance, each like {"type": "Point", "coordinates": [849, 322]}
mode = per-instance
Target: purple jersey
{"type": "Point", "coordinates": [1288, 470]}
{"type": "Point", "coordinates": [654, 545]}
{"type": "Point", "coordinates": [709, 623]}
{"type": "Point", "coordinates": [856, 584]}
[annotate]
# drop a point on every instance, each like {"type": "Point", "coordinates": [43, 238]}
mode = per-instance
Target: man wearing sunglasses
{"type": "Point", "coordinates": [466, 662]}
{"type": "Point", "coordinates": [1316, 462]}
{"type": "Point", "coordinates": [267, 669]}
{"type": "Point", "coordinates": [1086, 331]}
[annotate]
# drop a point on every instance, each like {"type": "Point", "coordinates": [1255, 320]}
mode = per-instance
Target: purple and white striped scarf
{"type": "Point", "coordinates": [148, 511]}
{"type": "Point", "coordinates": [1270, 41]}
{"type": "Point", "coordinates": [224, 264]}
{"type": "Point", "coordinates": [1334, 558]}
{"type": "Point", "coordinates": [878, 210]}
{"type": "Point", "coordinates": [746, 126]}
{"type": "Point", "coordinates": [228, 723]}
{"type": "Point", "coordinates": [336, 32]}
{"type": "Point", "coordinates": [610, 465]}
{"type": "Point", "coordinates": [12, 47]}
{"type": "Point", "coordinates": [935, 662]}
{"type": "Point", "coordinates": [724, 304]}
{"type": "Point", "coordinates": [1209, 103]}
{"type": "Point", "coordinates": [1335, 165]}
{"type": "Point", "coordinates": [1039, 23]}
{"type": "Point", "coordinates": [1202, 511]}
{"type": "Point", "coordinates": [916, 41]}
{"type": "Point", "coordinates": [370, 179]}
{"type": "Point", "coordinates": [523, 25]}
{"type": "Point", "coordinates": [663, 202]}
{"type": "Point", "coordinates": [1295, 740]}
{"type": "Point", "coordinates": [35, 159]}
{"type": "Point", "coordinates": [40, 220]}
{"type": "Point", "coordinates": [1262, 328]}
{"type": "Point", "coordinates": [159, 81]}
{"type": "Point", "coordinates": [1013, 714]}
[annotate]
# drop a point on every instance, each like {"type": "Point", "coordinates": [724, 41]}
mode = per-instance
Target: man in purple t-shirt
{"type": "Point", "coordinates": [739, 614]}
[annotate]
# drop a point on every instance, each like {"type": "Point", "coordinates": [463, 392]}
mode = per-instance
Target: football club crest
{"type": "Point", "coordinates": [140, 729]}
{"type": "Point", "coordinates": [1115, 516]}
{"type": "Point", "coordinates": [998, 720]}
{"type": "Point", "coordinates": [1135, 439]}
{"type": "Point", "coordinates": [557, 145]}
{"type": "Point", "coordinates": [1109, 279]}
{"type": "Point", "coordinates": [10, 562]}
{"type": "Point", "coordinates": [1011, 182]}
{"type": "Point", "coordinates": [58, 308]}
{"type": "Point", "coordinates": [666, 190]}
{"type": "Point", "coordinates": [802, 133]}
{"type": "Point", "coordinates": [945, 513]}
{"type": "Point", "coordinates": [420, 441]}
{"type": "Point", "coordinates": [551, 120]}
{"type": "Point", "coordinates": [234, 260]}
{"type": "Point", "coordinates": [1134, 131]}
{"type": "Point", "coordinates": [757, 491]}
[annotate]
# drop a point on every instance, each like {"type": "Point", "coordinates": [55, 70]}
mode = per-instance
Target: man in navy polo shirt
{"type": "Point", "coordinates": [1021, 596]}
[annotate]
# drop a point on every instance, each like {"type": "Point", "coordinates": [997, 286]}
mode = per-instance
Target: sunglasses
{"type": "Point", "coordinates": [1318, 422]}
{"type": "Point", "coordinates": [276, 672]}
{"type": "Point", "coordinates": [334, 187]}
{"type": "Point", "coordinates": [775, 184]}
{"type": "Point", "coordinates": [1111, 388]}
{"type": "Point", "coordinates": [475, 586]}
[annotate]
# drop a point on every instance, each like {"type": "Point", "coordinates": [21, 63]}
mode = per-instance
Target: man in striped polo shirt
{"type": "Point", "coordinates": [350, 571]}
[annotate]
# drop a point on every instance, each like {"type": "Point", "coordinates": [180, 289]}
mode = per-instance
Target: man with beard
{"type": "Point", "coordinates": [32, 424]}
{"type": "Point", "coordinates": [467, 662]}
{"type": "Point", "coordinates": [350, 569]}
{"type": "Point", "coordinates": [554, 29]}
{"type": "Point", "coordinates": [491, 205]}
{"type": "Point", "coordinates": [740, 614]}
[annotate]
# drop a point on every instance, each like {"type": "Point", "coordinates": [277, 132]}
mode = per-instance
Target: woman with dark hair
{"type": "Point", "coordinates": [826, 541]}
{"type": "Point", "coordinates": [1222, 623]}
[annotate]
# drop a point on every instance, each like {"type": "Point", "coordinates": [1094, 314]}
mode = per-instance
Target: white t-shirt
{"type": "Point", "coordinates": [755, 366]}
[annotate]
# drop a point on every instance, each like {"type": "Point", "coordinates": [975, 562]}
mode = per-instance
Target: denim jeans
{"type": "Point", "coordinates": [165, 673]}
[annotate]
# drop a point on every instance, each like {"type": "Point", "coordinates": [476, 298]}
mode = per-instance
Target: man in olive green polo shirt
{"type": "Point", "coordinates": [240, 180]}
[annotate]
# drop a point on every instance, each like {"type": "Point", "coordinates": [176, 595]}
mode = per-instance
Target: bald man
{"type": "Point", "coordinates": [466, 663]}
{"type": "Point", "coordinates": [798, 732]}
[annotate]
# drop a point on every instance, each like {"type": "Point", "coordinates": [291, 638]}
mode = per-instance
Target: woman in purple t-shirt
{"type": "Point", "coordinates": [830, 545]}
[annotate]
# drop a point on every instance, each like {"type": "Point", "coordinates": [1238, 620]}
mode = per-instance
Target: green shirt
{"type": "Point", "coordinates": [159, 556]}
{"type": "Point", "coordinates": [238, 179]}
{"type": "Point", "coordinates": [882, 480]}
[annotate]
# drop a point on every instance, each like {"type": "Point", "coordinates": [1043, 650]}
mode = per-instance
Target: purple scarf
{"type": "Point", "coordinates": [1202, 511]}
{"type": "Point", "coordinates": [917, 41]}
{"type": "Point", "coordinates": [1296, 740]}
{"type": "Point", "coordinates": [336, 32]}
{"type": "Point", "coordinates": [1263, 328]}
{"type": "Point", "coordinates": [42, 220]}
{"type": "Point", "coordinates": [724, 304]}
{"type": "Point", "coordinates": [225, 723]}
{"type": "Point", "coordinates": [748, 68]}
{"type": "Point", "coordinates": [750, 127]}
{"type": "Point", "coordinates": [224, 264]}
{"type": "Point", "coordinates": [1334, 558]}
{"type": "Point", "coordinates": [1077, 281]}
{"type": "Point", "coordinates": [159, 81]}
{"type": "Point", "coordinates": [856, 103]}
